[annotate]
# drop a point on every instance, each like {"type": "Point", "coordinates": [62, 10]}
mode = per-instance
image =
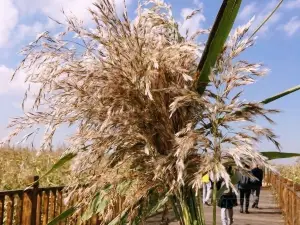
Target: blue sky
{"type": "Point", "coordinates": [277, 47]}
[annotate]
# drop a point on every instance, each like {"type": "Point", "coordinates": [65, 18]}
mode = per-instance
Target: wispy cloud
{"type": "Point", "coordinates": [198, 4]}
{"type": "Point", "coordinates": [248, 11]}
{"type": "Point", "coordinates": [54, 8]}
{"type": "Point", "coordinates": [261, 12]}
{"type": "Point", "coordinates": [193, 24]}
{"type": "Point", "coordinates": [17, 87]}
{"type": "Point", "coordinates": [13, 30]}
{"type": "Point", "coordinates": [292, 26]}
{"type": "Point", "coordinates": [10, 88]}
{"type": "Point", "coordinates": [292, 4]}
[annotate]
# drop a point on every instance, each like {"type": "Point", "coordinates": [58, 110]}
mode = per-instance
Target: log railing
{"type": "Point", "coordinates": [35, 206]}
{"type": "Point", "coordinates": [288, 196]}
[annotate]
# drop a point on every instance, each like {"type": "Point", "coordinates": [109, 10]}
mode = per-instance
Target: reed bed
{"type": "Point", "coordinates": [291, 171]}
{"type": "Point", "coordinates": [17, 164]}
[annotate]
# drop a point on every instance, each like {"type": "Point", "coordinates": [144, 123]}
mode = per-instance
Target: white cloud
{"type": "Point", "coordinates": [292, 26]}
{"type": "Point", "coordinates": [292, 4]}
{"type": "Point", "coordinates": [11, 10]}
{"type": "Point", "coordinates": [198, 4]}
{"type": "Point", "coordinates": [8, 20]}
{"type": "Point", "coordinates": [7, 87]}
{"type": "Point", "coordinates": [54, 8]}
{"type": "Point", "coordinates": [261, 12]}
{"type": "Point", "coordinates": [248, 11]}
{"type": "Point", "coordinates": [17, 87]}
{"type": "Point", "coordinates": [23, 31]}
{"type": "Point", "coordinates": [193, 24]}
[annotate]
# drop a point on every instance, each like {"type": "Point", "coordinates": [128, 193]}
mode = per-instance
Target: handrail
{"type": "Point", "coordinates": [11, 192]}
{"type": "Point", "coordinates": [21, 191]}
{"type": "Point", "coordinates": [35, 205]}
{"type": "Point", "coordinates": [51, 188]}
{"type": "Point", "coordinates": [287, 195]}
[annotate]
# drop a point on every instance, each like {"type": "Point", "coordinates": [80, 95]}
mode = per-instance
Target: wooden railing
{"type": "Point", "coordinates": [38, 205]}
{"type": "Point", "coordinates": [288, 196]}
{"type": "Point", "coordinates": [35, 206]}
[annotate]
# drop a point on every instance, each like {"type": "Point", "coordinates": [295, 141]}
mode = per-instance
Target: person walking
{"type": "Point", "coordinates": [257, 184]}
{"type": "Point", "coordinates": [227, 201]}
{"type": "Point", "coordinates": [207, 189]}
{"type": "Point", "coordinates": [245, 186]}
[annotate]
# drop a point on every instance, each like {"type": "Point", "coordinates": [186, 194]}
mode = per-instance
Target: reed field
{"type": "Point", "coordinates": [16, 165]}
{"type": "Point", "coordinates": [291, 171]}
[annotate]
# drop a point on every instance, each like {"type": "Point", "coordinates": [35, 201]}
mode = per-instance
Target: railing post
{"type": "Point", "coordinates": [2, 202]}
{"type": "Point", "coordinates": [29, 203]}
{"type": "Point", "coordinates": [298, 210]}
{"type": "Point", "coordinates": [34, 199]}
{"type": "Point", "coordinates": [294, 208]}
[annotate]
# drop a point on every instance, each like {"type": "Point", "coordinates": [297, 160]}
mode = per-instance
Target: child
{"type": "Point", "coordinates": [227, 201]}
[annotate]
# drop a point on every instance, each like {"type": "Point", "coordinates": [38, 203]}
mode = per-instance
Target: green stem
{"type": "Point", "coordinates": [196, 206]}
{"type": "Point", "coordinates": [192, 205]}
{"type": "Point", "coordinates": [175, 209]}
{"type": "Point", "coordinates": [200, 208]}
{"type": "Point", "coordinates": [186, 214]}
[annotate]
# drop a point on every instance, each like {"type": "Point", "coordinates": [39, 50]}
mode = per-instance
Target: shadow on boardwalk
{"type": "Point", "coordinates": [267, 214]}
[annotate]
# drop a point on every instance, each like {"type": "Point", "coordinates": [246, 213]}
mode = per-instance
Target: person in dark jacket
{"type": "Point", "coordinates": [257, 184]}
{"type": "Point", "coordinates": [245, 186]}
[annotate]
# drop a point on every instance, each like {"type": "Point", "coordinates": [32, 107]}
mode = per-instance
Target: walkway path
{"type": "Point", "coordinates": [268, 214]}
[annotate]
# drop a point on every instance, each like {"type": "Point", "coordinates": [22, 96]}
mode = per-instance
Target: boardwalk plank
{"type": "Point", "coordinates": [267, 214]}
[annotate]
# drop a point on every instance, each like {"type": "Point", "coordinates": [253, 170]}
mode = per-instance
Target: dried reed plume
{"type": "Point", "coordinates": [142, 127]}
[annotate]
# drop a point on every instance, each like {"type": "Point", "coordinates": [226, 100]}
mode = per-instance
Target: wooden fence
{"type": "Point", "coordinates": [35, 206]}
{"type": "Point", "coordinates": [288, 196]}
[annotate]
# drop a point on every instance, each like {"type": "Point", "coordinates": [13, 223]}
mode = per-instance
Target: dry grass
{"type": "Point", "coordinates": [16, 165]}
{"type": "Point", "coordinates": [291, 172]}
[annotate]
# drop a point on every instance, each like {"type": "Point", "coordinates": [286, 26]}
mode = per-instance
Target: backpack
{"type": "Point", "coordinates": [228, 201]}
{"type": "Point", "coordinates": [219, 184]}
{"type": "Point", "coordinates": [245, 182]}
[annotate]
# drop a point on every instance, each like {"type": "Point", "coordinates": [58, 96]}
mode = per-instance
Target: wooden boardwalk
{"type": "Point", "coordinates": [267, 214]}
